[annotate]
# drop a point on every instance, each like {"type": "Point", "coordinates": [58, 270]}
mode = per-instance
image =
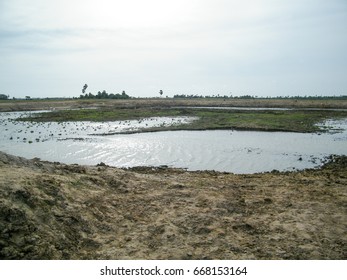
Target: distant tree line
{"type": "Point", "coordinates": [342, 97]}
{"type": "Point", "coordinates": [215, 96]}
{"type": "Point", "coordinates": [200, 96]}
{"type": "Point", "coordinates": [4, 97]}
{"type": "Point", "coordinates": [318, 97]}
{"type": "Point", "coordinates": [104, 95]}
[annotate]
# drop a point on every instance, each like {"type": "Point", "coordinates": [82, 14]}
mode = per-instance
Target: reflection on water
{"type": "Point", "coordinates": [222, 150]}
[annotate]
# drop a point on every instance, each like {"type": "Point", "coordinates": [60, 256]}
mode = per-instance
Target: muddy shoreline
{"type": "Point", "coordinates": [58, 211]}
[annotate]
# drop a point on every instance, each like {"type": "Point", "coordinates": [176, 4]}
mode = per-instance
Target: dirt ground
{"type": "Point", "coordinates": [58, 211]}
{"type": "Point", "coordinates": [28, 105]}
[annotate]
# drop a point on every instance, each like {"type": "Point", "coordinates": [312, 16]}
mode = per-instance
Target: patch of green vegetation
{"type": "Point", "coordinates": [266, 120]}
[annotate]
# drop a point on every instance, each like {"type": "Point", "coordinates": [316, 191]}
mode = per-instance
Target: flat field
{"type": "Point", "coordinates": [43, 104]}
{"type": "Point", "coordinates": [267, 114]}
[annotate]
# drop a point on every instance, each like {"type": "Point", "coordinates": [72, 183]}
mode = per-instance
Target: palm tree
{"type": "Point", "coordinates": [84, 88]}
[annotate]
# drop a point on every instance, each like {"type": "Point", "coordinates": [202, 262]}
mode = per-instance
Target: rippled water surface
{"type": "Point", "coordinates": [222, 150]}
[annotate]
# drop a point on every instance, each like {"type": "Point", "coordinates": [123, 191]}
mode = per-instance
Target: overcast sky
{"type": "Point", "coordinates": [264, 48]}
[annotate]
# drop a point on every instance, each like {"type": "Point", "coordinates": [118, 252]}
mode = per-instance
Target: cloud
{"type": "Point", "coordinates": [267, 47]}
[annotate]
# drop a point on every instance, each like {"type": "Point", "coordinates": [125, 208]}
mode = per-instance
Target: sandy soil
{"type": "Point", "coordinates": [58, 211]}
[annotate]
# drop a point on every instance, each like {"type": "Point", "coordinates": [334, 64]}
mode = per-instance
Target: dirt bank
{"type": "Point", "coordinates": [58, 211]}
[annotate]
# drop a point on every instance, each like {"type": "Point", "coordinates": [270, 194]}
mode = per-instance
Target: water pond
{"type": "Point", "coordinates": [221, 150]}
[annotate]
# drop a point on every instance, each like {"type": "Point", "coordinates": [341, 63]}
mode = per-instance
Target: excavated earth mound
{"type": "Point", "coordinates": [58, 211]}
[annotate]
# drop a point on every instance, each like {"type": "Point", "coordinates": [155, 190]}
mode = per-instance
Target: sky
{"type": "Point", "coordinates": [207, 47]}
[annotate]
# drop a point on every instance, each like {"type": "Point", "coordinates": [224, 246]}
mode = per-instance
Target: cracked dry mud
{"type": "Point", "coordinates": [58, 211]}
